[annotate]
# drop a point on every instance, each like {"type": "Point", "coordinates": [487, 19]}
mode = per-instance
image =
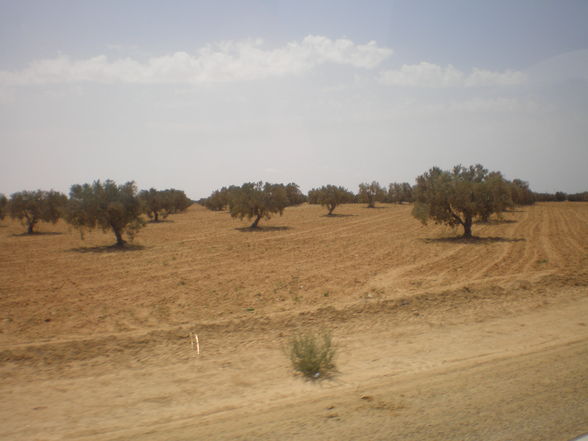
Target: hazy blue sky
{"type": "Point", "coordinates": [200, 94]}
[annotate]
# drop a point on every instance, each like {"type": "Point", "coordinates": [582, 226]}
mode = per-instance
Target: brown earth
{"type": "Point", "coordinates": [438, 338]}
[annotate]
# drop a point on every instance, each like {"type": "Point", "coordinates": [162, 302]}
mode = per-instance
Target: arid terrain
{"type": "Point", "coordinates": [438, 339]}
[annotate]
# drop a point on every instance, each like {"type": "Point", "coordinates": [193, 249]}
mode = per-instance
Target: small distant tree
{"type": "Point", "coordinates": [521, 194]}
{"type": "Point", "coordinates": [371, 193]}
{"type": "Point", "coordinates": [400, 192]}
{"type": "Point", "coordinates": [219, 199]}
{"type": "Point", "coordinates": [560, 196]}
{"type": "Point", "coordinates": [107, 206]}
{"type": "Point", "coordinates": [330, 196]}
{"type": "Point", "coordinates": [459, 196]}
{"type": "Point", "coordinates": [258, 200]}
{"type": "Point", "coordinates": [578, 197]}
{"type": "Point", "coordinates": [162, 203]}
{"type": "Point", "coordinates": [295, 196]}
{"type": "Point", "coordinates": [495, 196]}
{"type": "Point", "coordinates": [3, 206]}
{"type": "Point", "coordinates": [154, 204]}
{"type": "Point", "coordinates": [32, 207]}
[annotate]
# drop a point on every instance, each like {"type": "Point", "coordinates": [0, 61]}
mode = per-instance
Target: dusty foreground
{"type": "Point", "coordinates": [438, 339]}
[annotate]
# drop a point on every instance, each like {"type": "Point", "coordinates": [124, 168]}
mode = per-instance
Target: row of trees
{"type": "Point", "coordinates": [457, 197]}
{"type": "Point", "coordinates": [103, 205]}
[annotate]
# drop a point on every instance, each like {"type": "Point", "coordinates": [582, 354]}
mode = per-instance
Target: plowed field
{"type": "Point", "coordinates": [438, 338]}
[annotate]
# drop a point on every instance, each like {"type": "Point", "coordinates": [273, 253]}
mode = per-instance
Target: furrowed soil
{"type": "Point", "coordinates": [438, 338]}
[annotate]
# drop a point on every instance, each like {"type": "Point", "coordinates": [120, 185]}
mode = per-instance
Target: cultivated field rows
{"type": "Point", "coordinates": [438, 338]}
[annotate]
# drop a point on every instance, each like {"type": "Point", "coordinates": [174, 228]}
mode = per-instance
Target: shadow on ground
{"type": "Point", "coordinates": [473, 241]}
{"type": "Point", "coordinates": [261, 229]}
{"type": "Point", "coordinates": [338, 215]}
{"type": "Point", "coordinates": [38, 233]}
{"type": "Point", "coordinates": [496, 222]}
{"type": "Point", "coordinates": [108, 249]}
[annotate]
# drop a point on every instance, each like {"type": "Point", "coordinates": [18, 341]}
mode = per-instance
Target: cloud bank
{"type": "Point", "coordinates": [223, 62]}
{"type": "Point", "coordinates": [432, 75]}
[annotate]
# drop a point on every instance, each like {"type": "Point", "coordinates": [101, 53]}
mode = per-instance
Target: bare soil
{"type": "Point", "coordinates": [439, 338]}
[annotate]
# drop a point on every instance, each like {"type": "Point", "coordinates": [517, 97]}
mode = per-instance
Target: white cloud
{"type": "Point", "coordinates": [423, 75]}
{"type": "Point", "coordinates": [222, 62]}
{"type": "Point", "coordinates": [480, 77]}
{"type": "Point", "coordinates": [432, 75]}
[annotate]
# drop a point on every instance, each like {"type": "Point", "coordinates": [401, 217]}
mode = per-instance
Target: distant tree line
{"type": "Point", "coordinates": [456, 197]}
{"type": "Point", "coordinates": [104, 205]}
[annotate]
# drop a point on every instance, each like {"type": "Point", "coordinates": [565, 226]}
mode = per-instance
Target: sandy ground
{"type": "Point", "coordinates": [438, 339]}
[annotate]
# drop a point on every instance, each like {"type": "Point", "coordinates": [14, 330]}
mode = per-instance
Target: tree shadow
{"type": "Point", "coordinates": [496, 222]}
{"type": "Point", "coordinates": [266, 229]}
{"type": "Point", "coordinates": [475, 240]}
{"type": "Point", "coordinates": [38, 233]}
{"type": "Point", "coordinates": [379, 207]}
{"type": "Point", "coordinates": [161, 221]}
{"type": "Point", "coordinates": [108, 249]}
{"type": "Point", "coordinates": [338, 215]}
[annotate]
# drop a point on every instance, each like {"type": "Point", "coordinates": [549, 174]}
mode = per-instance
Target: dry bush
{"type": "Point", "coordinates": [313, 354]}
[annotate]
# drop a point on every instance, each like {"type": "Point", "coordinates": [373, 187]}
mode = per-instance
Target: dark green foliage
{"type": "Point", "coordinates": [330, 196]}
{"type": "Point", "coordinates": [521, 194]}
{"type": "Point", "coordinates": [560, 196]}
{"type": "Point", "coordinates": [295, 196]}
{"type": "Point", "coordinates": [219, 199]}
{"type": "Point", "coordinates": [459, 196]}
{"type": "Point", "coordinates": [313, 355]}
{"type": "Point", "coordinates": [107, 206]}
{"type": "Point", "coordinates": [371, 193]}
{"type": "Point", "coordinates": [162, 203]}
{"type": "Point", "coordinates": [3, 206]}
{"type": "Point", "coordinates": [400, 192]}
{"type": "Point", "coordinates": [177, 201]}
{"type": "Point", "coordinates": [32, 207]}
{"type": "Point", "coordinates": [578, 197]}
{"type": "Point", "coordinates": [257, 200]}
{"type": "Point", "coordinates": [154, 204]}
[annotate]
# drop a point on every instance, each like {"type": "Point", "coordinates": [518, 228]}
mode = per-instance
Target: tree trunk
{"type": "Point", "coordinates": [467, 227]}
{"type": "Point", "coordinates": [331, 208]}
{"type": "Point", "coordinates": [155, 216]}
{"type": "Point", "coordinates": [256, 221]}
{"type": "Point", "coordinates": [120, 242]}
{"type": "Point", "coordinates": [30, 227]}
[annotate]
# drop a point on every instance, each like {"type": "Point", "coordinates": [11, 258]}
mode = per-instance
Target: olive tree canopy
{"type": "Point", "coordinates": [459, 196]}
{"type": "Point", "coordinates": [107, 206]}
{"type": "Point", "coordinates": [257, 200]}
{"type": "Point", "coordinates": [32, 207]}
{"type": "Point", "coordinates": [162, 203]}
{"type": "Point", "coordinates": [371, 193]}
{"type": "Point", "coordinates": [3, 206]}
{"type": "Point", "coordinates": [330, 196]}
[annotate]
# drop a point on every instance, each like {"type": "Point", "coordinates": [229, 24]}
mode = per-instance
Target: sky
{"type": "Point", "coordinates": [196, 95]}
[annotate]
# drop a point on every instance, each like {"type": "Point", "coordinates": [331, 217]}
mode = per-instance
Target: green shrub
{"type": "Point", "coordinates": [313, 355]}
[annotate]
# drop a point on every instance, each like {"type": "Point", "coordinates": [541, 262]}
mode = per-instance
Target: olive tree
{"type": "Point", "coordinates": [219, 199]}
{"type": "Point", "coordinates": [459, 196]}
{"type": "Point", "coordinates": [371, 193]}
{"type": "Point", "coordinates": [32, 207]}
{"type": "Point", "coordinates": [521, 194]}
{"type": "Point", "coordinates": [162, 203]}
{"type": "Point", "coordinates": [295, 196]}
{"type": "Point", "coordinates": [258, 200]}
{"type": "Point", "coordinates": [330, 196]}
{"type": "Point", "coordinates": [107, 206]}
{"type": "Point", "coordinates": [400, 192]}
{"type": "Point", "coordinates": [3, 206]}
